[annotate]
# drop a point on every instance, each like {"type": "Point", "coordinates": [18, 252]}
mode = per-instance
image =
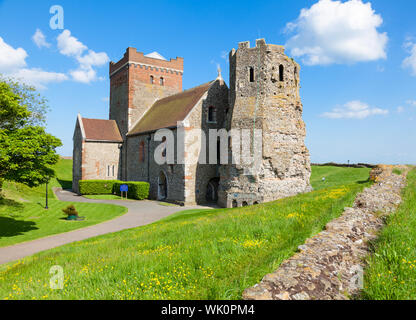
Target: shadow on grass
{"type": "Point", "coordinates": [13, 205]}
{"type": "Point", "coordinates": [65, 184]}
{"type": "Point", "coordinates": [10, 227]}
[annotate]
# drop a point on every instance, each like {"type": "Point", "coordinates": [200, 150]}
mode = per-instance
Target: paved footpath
{"type": "Point", "coordinates": [139, 213]}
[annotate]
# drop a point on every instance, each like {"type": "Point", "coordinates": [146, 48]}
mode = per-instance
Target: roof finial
{"type": "Point", "coordinates": [219, 75]}
{"type": "Point", "coordinates": [219, 72]}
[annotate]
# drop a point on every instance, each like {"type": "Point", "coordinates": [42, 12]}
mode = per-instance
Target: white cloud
{"type": "Point", "coordinates": [84, 75]}
{"type": "Point", "coordinates": [410, 61]}
{"type": "Point", "coordinates": [40, 40]}
{"type": "Point", "coordinates": [11, 58]}
{"type": "Point", "coordinates": [38, 77]}
{"type": "Point", "coordinates": [400, 109]}
{"type": "Point", "coordinates": [69, 45]}
{"type": "Point", "coordinates": [411, 103]}
{"type": "Point", "coordinates": [354, 110]}
{"type": "Point", "coordinates": [93, 59]}
{"type": "Point", "coordinates": [13, 64]}
{"type": "Point", "coordinates": [337, 32]}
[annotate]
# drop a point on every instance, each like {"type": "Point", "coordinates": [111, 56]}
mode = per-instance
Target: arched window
{"type": "Point", "coordinates": [141, 151]}
{"type": "Point", "coordinates": [162, 81]}
{"type": "Point", "coordinates": [212, 114]}
{"type": "Point", "coordinates": [152, 79]}
{"type": "Point", "coordinates": [296, 76]}
{"type": "Point", "coordinates": [164, 149]}
{"type": "Point", "coordinates": [162, 191]}
{"type": "Point", "coordinates": [281, 71]}
{"type": "Point", "coordinates": [251, 77]}
{"type": "Point", "coordinates": [218, 150]}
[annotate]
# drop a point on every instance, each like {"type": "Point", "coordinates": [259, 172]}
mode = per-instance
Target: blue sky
{"type": "Point", "coordinates": [358, 60]}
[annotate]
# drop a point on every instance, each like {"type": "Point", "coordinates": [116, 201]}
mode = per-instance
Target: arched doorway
{"type": "Point", "coordinates": [162, 189]}
{"type": "Point", "coordinates": [212, 190]}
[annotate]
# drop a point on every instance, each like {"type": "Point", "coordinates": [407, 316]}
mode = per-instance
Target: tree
{"type": "Point", "coordinates": [35, 103]}
{"type": "Point", "coordinates": [27, 152]}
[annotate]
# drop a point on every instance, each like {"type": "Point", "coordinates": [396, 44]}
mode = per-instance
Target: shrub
{"type": "Point", "coordinates": [70, 210]}
{"type": "Point", "coordinates": [137, 190]}
{"type": "Point", "coordinates": [96, 186]}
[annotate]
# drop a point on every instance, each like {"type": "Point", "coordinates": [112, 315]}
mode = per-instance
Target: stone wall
{"type": "Point", "coordinates": [187, 183]}
{"type": "Point", "coordinates": [268, 100]}
{"type": "Point", "coordinates": [148, 170]}
{"type": "Point", "coordinates": [98, 158]}
{"type": "Point", "coordinates": [198, 175]}
{"type": "Point", "coordinates": [330, 265]}
{"type": "Point", "coordinates": [119, 99]}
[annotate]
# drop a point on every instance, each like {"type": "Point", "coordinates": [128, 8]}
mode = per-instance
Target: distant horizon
{"type": "Point", "coordinates": [312, 163]}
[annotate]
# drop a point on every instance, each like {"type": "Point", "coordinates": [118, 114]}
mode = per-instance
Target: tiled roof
{"type": "Point", "coordinates": [166, 112]}
{"type": "Point", "coordinates": [101, 130]}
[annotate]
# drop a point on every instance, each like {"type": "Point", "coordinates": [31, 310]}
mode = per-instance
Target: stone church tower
{"type": "Point", "coordinates": [137, 81]}
{"type": "Point", "coordinates": [264, 94]}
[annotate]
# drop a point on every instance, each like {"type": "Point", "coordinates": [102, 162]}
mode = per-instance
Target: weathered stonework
{"type": "Point", "coordinates": [199, 176]}
{"type": "Point", "coordinates": [140, 85]}
{"type": "Point", "coordinates": [330, 265]}
{"type": "Point", "coordinates": [264, 94]}
{"type": "Point", "coordinates": [187, 183]}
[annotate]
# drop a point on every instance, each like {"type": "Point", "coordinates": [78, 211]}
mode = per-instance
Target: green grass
{"type": "Point", "coordinates": [23, 217]}
{"type": "Point", "coordinates": [168, 204]}
{"type": "Point", "coordinates": [196, 254]}
{"type": "Point", "coordinates": [391, 271]}
{"type": "Point", "coordinates": [104, 197]}
{"type": "Point", "coordinates": [20, 192]}
{"type": "Point", "coordinates": [397, 171]}
{"type": "Point", "coordinates": [335, 176]}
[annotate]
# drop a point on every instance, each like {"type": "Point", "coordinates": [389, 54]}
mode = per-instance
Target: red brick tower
{"type": "Point", "coordinates": [137, 81]}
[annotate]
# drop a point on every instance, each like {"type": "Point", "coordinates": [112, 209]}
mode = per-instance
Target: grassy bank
{"type": "Point", "coordinates": [211, 254]}
{"type": "Point", "coordinates": [391, 271]}
{"type": "Point", "coordinates": [23, 216]}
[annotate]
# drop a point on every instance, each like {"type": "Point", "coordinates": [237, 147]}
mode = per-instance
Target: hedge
{"type": "Point", "coordinates": [96, 186]}
{"type": "Point", "coordinates": [137, 189]}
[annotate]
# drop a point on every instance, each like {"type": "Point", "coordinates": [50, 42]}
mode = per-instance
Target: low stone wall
{"type": "Point", "coordinates": [330, 265]}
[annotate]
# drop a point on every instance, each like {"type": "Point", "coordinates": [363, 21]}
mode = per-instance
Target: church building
{"type": "Point", "coordinates": [146, 96]}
